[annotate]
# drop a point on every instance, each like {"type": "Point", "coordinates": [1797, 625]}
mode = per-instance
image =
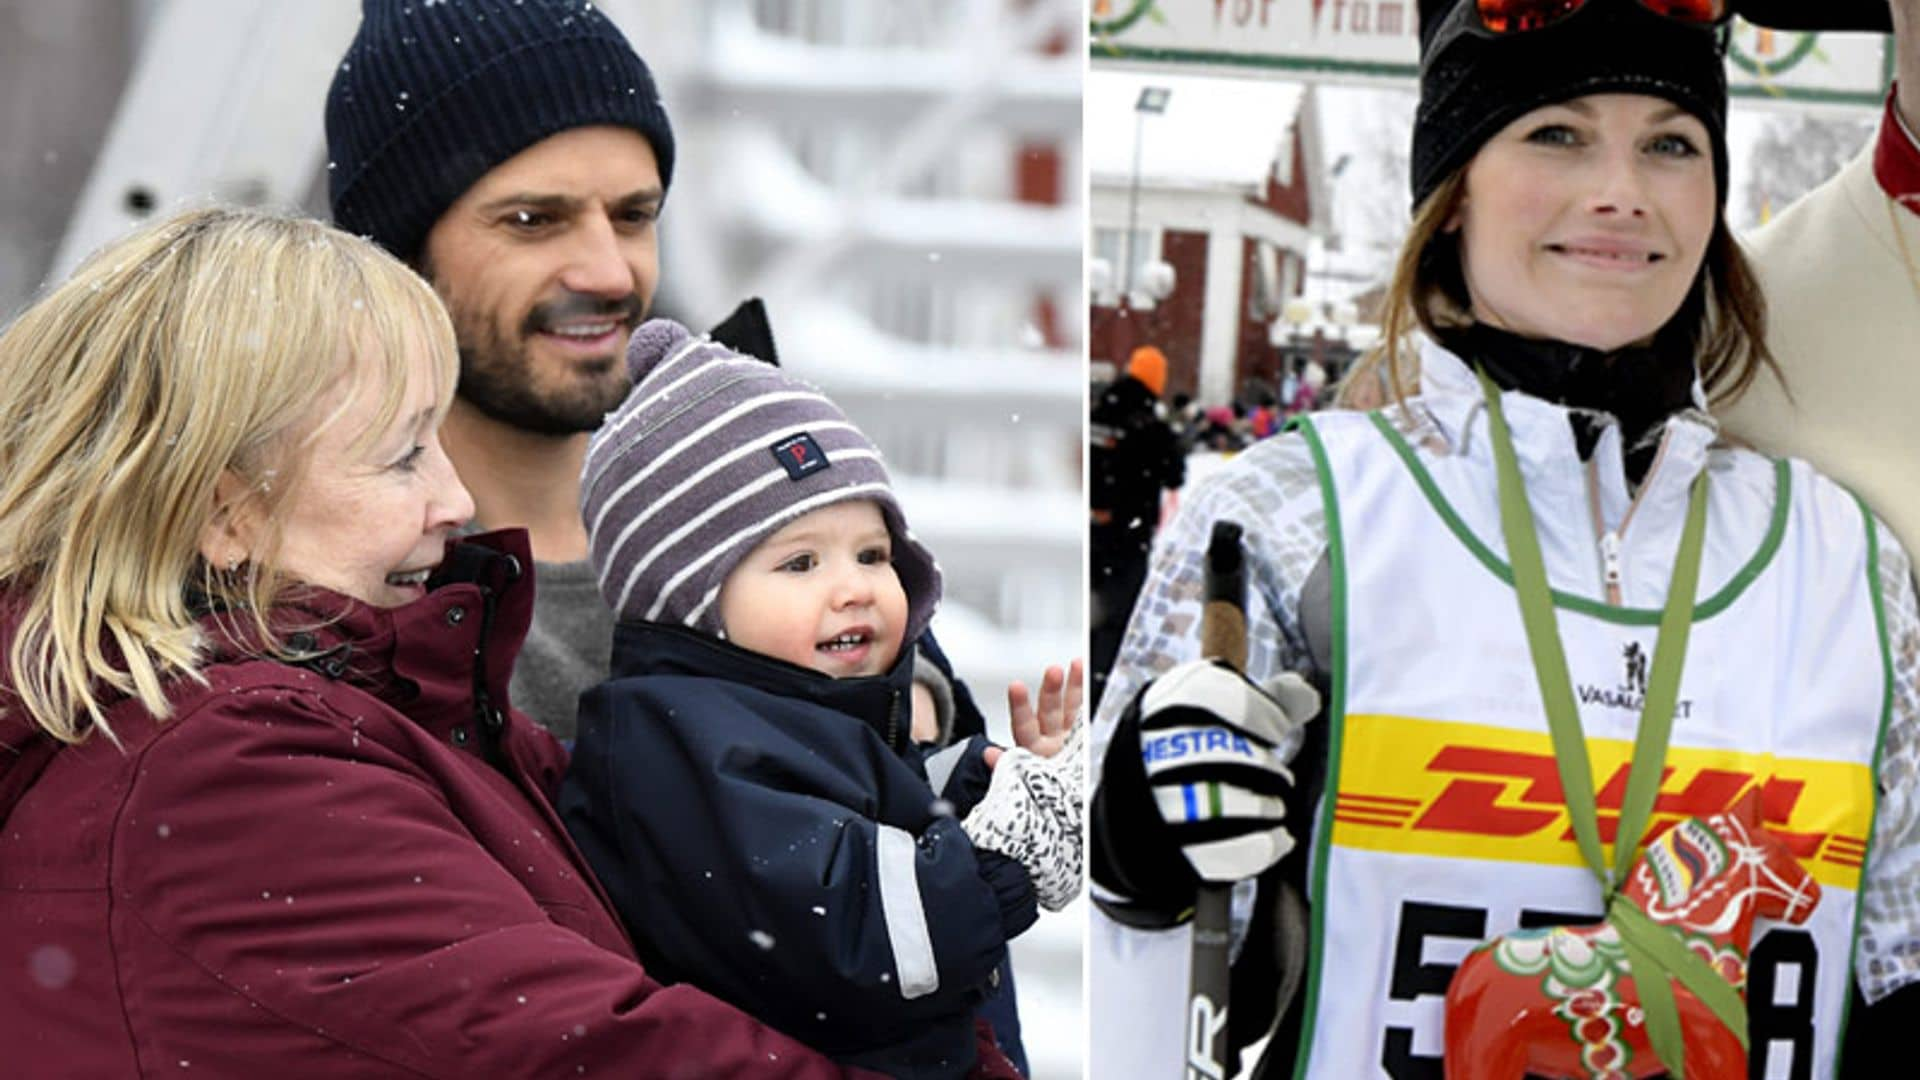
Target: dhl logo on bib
{"type": "Point", "coordinates": [1432, 787]}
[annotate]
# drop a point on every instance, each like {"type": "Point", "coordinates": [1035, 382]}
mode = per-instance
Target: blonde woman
{"type": "Point", "coordinates": [263, 802]}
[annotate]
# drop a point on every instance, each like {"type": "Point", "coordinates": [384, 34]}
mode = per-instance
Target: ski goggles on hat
{"type": "Point", "coordinates": [1501, 18]}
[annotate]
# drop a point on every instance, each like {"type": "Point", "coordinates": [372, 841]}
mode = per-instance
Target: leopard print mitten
{"type": "Point", "coordinates": [1032, 814]}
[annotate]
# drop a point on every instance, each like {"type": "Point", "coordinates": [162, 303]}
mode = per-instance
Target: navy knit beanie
{"type": "Point", "coordinates": [433, 94]}
{"type": "Point", "coordinates": [711, 453]}
{"type": "Point", "coordinates": [1472, 86]}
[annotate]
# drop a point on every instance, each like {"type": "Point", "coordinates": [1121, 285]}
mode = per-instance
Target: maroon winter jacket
{"type": "Point", "coordinates": [347, 868]}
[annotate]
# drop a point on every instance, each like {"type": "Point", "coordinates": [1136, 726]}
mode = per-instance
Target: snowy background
{"type": "Point", "coordinates": [899, 179]}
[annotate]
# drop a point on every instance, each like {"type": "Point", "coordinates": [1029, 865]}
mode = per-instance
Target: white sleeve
{"type": "Point", "coordinates": [1888, 951]}
{"type": "Point", "coordinates": [1273, 492]}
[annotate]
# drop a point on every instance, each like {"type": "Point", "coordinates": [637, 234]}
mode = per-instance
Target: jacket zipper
{"type": "Point", "coordinates": [489, 719]}
{"type": "Point", "coordinates": [1610, 566]}
{"type": "Point", "coordinates": [1611, 539]}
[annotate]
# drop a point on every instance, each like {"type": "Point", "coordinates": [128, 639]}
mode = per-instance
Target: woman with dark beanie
{"type": "Point", "coordinates": [1546, 607]}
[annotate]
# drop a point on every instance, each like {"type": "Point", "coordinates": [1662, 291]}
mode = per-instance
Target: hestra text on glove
{"type": "Point", "coordinates": [1208, 743]}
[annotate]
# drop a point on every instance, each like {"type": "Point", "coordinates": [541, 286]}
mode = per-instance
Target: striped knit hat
{"type": "Point", "coordinates": [711, 453]}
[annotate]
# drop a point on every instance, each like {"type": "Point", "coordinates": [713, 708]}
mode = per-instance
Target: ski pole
{"type": "Point", "coordinates": [1223, 636]}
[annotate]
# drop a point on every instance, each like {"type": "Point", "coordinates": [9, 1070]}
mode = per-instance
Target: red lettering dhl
{"type": "Point", "coordinates": [1453, 789]}
{"type": "Point", "coordinates": [1475, 806]}
{"type": "Point", "coordinates": [1541, 771]}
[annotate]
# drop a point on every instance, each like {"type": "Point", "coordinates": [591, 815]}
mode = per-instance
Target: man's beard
{"type": "Point", "coordinates": [494, 380]}
{"type": "Point", "coordinates": [497, 376]}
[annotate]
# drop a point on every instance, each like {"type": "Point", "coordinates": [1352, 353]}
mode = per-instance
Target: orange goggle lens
{"type": "Point", "coordinates": [1518, 16]}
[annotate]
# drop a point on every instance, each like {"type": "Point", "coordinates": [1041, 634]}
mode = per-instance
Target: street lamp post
{"type": "Point", "coordinates": [1153, 99]}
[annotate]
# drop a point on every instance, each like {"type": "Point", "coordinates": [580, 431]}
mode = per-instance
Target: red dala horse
{"type": "Point", "coordinates": [1561, 1001]}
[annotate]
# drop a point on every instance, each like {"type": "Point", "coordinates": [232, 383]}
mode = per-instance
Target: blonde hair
{"type": "Point", "coordinates": [1727, 309]}
{"type": "Point", "coordinates": [213, 343]}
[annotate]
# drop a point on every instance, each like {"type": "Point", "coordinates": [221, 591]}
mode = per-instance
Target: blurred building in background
{"type": "Point", "coordinates": [1202, 215]}
{"type": "Point", "coordinates": [898, 179]}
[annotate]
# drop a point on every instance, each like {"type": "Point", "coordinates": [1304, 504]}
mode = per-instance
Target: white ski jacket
{"type": "Point", "coordinates": [1431, 528]}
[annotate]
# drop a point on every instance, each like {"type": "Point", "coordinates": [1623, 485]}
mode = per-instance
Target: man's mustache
{"type": "Point", "coordinates": [572, 306]}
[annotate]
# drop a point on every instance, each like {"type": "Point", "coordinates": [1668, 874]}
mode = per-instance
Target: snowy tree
{"type": "Point", "coordinates": [1368, 132]}
{"type": "Point", "coordinates": [1794, 153]}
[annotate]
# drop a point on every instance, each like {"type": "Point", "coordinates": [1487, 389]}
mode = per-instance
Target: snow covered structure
{"type": "Point", "coordinates": [1226, 188]}
{"type": "Point", "coordinates": [898, 179]}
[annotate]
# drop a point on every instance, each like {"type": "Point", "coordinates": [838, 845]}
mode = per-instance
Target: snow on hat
{"type": "Point", "coordinates": [433, 94]}
{"type": "Point", "coordinates": [711, 453]}
{"type": "Point", "coordinates": [1471, 86]}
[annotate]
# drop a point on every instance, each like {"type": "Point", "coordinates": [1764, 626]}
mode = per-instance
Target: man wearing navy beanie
{"type": "Point", "coordinates": [517, 154]}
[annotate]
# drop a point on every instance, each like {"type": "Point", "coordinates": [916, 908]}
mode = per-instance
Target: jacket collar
{"type": "Point", "coordinates": [882, 702]}
{"type": "Point", "coordinates": [1636, 387]}
{"type": "Point", "coordinates": [444, 659]}
{"type": "Point", "coordinates": [1896, 159]}
{"type": "Point", "coordinates": [1544, 442]}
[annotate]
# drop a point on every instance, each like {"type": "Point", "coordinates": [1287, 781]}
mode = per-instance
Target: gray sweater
{"type": "Point", "coordinates": [568, 648]}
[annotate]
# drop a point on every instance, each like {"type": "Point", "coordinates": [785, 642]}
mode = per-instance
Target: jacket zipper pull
{"type": "Point", "coordinates": [1610, 565]}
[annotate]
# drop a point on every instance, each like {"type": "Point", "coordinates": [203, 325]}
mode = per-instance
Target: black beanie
{"type": "Point", "coordinates": [1472, 86]}
{"type": "Point", "coordinates": [433, 94]}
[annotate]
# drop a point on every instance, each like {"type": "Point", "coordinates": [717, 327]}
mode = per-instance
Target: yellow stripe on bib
{"type": "Point", "coordinates": [1432, 787]}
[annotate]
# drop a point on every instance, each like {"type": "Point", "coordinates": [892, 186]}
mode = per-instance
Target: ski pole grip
{"type": "Point", "coordinates": [1223, 619]}
{"type": "Point", "coordinates": [1223, 635]}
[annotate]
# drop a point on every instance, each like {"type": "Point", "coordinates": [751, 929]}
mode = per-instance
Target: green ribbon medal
{"type": "Point", "coordinates": [1656, 952]}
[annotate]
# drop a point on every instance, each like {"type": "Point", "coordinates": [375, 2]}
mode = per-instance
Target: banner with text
{"type": "Point", "coordinates": [1377, 40]}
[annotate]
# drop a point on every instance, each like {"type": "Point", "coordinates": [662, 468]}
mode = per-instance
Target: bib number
{"type": "Point", "coordinates": [1780, 988]}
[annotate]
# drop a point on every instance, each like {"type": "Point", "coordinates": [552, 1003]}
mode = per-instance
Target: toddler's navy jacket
{"type": "Point", "coordinates": [769, 834]}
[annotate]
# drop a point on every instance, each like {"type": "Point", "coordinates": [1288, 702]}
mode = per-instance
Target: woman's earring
{"type": "Point", "coordinates": [233, 564]}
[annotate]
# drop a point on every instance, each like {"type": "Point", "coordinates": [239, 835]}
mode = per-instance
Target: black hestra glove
{"type": "Point", "coordinates": [1203, 796]}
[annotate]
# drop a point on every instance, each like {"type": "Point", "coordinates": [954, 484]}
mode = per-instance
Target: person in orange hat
{"type": "Point", "coordinates": [1135, 457]}
{"type": "Point", "coordinates": [1149, 365]}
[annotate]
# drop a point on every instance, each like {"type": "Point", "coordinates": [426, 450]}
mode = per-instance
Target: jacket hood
{"type": "Point", "coordinates": [377, 649]}
{"type": "Point", "coordinates": [882, 702]}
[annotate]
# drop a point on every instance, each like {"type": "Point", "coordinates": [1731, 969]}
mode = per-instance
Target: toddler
{"type": "Point", "coordinates": [747, 784]}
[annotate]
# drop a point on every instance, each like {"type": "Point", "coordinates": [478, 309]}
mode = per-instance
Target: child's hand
{"type": "Point", "coordinates": [1044, 730]}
